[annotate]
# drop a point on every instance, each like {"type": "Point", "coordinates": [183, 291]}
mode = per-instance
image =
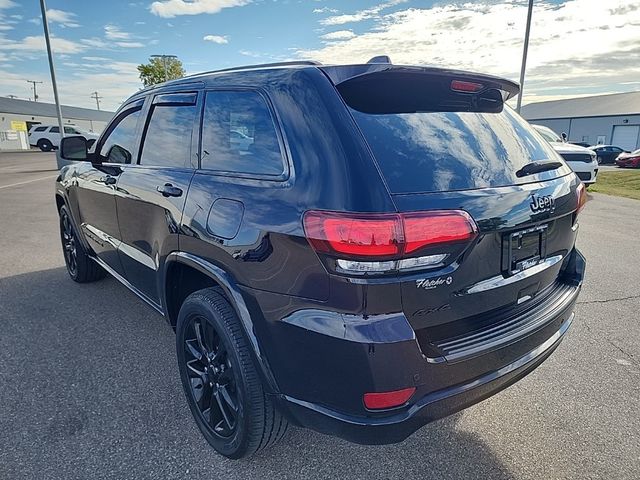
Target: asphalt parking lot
{"type": "Point", "coordinates": [89, 386]}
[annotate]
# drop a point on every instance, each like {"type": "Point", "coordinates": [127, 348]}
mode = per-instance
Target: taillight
{"type": "Point", "coordinates": [390, 240]}
{"type": "Point", "coordinates": [581, 192]}
{"type": "Point", "coordinates": [466, 87]}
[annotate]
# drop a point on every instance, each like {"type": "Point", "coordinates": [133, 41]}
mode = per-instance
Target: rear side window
{"type": "Point", "coordinates": [167, 142]}
{"type": "Point", "coordinates": [40, 129]}
{"type": "Point", "coordinates": [440, 151]}
{"type": "Point", "coordinates": [239, 135]}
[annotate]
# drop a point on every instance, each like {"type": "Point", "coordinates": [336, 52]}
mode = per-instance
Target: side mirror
{"type": "Point", "coordinates": [74, 148]}
{"type": "Point", "coordinates": [564, 137]}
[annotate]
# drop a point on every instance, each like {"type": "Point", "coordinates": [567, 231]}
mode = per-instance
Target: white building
{"type": "Point", "coordinates": [597, 120]}
{"type": "Point", "coordinates": [14, 110]}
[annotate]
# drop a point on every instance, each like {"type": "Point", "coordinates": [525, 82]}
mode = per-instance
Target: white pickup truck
{"type": "Point", "coordinates": [47, 137]}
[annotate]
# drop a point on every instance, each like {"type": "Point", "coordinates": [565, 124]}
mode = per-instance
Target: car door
{"type": "Point", "coordinates": [96, 185]}
{"type": "Point", "coordinates": [151, 192]}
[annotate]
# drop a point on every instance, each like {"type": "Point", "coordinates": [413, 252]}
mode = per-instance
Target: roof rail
{"type": "Point", "coordinates": [265, 65]}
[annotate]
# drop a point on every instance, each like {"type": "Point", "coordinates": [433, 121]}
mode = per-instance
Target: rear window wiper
{"type": "Point", "coordinates": [537, 167]}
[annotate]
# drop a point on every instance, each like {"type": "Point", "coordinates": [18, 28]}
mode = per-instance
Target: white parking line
{"type": "Point", "coordinates": [27, 181]}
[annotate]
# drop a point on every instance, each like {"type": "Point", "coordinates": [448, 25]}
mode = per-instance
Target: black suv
{"type": "Point", "coordinates": [355, 249]}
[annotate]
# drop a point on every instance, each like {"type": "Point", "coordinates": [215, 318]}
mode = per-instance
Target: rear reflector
{"type": "Point", "coordinates": [381, 400]}
{"type": "Point", "coordinates": [388, 235]}
{"type": "Point", "coordinates": [581, 192]}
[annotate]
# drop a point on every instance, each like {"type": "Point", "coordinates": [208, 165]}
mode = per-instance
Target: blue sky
{"type": "Point", "coordinates": [578, 47]}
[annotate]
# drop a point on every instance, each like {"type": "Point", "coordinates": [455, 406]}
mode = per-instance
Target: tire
{"type": "Point", "coordinates": [218, 373]}
{"type": "Point", "coordinates": [45, 145]}
{"type": "Point", "coordinates": [80, 267]}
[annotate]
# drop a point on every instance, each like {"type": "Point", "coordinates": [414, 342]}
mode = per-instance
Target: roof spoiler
{"type": "Point", "coordinates": [386, 88]}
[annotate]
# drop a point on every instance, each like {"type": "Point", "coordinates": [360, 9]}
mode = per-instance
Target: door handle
{"type": "Point", "coordinates": [168, 190]}
{"type": "Point", "coordinates": [108, 180]}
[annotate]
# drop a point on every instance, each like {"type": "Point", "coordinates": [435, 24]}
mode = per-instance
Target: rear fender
{"type": "Point", "coordinates": [237, 301]}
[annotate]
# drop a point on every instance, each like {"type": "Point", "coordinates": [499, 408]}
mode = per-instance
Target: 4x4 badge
{"type": "Point", "coordinates": [545, 203]}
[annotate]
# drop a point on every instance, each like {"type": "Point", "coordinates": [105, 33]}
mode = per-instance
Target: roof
{"type": "Point", "coordinates": [26, 107]}
{"type": "Point", "coordinates": [595, 106]}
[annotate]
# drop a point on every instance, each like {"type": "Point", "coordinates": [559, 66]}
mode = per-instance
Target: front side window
{"type": "Point", "coordinates": [167, 142]}
{"type": "Point", "coordinates": [55, 130]}
{"type": "Point", "coordinates": [239, 135]}
{"type": "Point", "coordinates": [120, 142]}
{"type": "Point", "coordinates": [71, 131]}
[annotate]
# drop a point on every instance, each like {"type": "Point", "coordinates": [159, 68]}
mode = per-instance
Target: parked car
{"type": "Point", "coordinates": [581, 144]}
{"type": "Point", "coordinates": [582, 161]}
{"type": "Point", "coordinates": [376, 259]}
{"type": "Point", "coordinates": [629, 159]}
{"type": "Point", "coordinates": [607, 153]}
{"type": "Point", "coordinates": [47, 137]}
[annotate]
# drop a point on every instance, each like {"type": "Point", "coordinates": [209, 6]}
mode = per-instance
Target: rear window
{"type": "Point", "coordinates": [440, 151]}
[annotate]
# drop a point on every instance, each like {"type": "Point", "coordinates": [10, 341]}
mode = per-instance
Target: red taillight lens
{"type": "Point", "coordinates": [423, 229]}
{"type": "Point", "coordinates": [385, 235]}
{"type": "Point", "coordinates": [466, 87]}
{"type": "Point", "coordinates": [581, 192]}
{"type": "Point", "coordinates": [380, 400]}
{"type": "Point", "coordinates": [353, 234]}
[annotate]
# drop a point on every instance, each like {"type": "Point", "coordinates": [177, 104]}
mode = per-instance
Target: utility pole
{"type": "Point", "coordinates": [45, 24]}
{"type": "Point", "coordinates": [35, 91]}
{"type": "Point", "coordinates": [524, 55]}
{"type": "Point", "coordinates": [164, 63]}
{"type": "Point", "coordinates": [95, 95]}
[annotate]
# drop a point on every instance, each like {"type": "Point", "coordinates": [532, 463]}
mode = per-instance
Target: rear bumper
{"type": "Point", "coordinates": [324, 363]}
{"type": "Point", "coordinates": [431, 407]}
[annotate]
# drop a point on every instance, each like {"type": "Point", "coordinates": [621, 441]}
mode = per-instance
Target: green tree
{"type": "Point", "coordinates": [159, 70]}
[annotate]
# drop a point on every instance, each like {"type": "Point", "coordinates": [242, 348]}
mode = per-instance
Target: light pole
{"type": "Point", "coordinates": [43, 8]}
{"type": "Point", "coordinates": [164, 63]}
{"type": "Point", "coordinates": [524, 55]}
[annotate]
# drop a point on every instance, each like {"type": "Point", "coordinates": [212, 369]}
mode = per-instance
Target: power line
{"type": "Point", "coordinates": [97, 98]}
{"type": "Point", "coordinates": [35, 91]}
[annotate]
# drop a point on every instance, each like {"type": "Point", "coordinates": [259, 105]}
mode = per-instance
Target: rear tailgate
{"type": "Point", "coordinates": [443, 140]}
{"type": "Point", "coordinates": [517, 254]}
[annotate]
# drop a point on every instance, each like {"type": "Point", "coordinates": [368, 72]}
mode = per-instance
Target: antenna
{"type": "Point", "coordinates": [97, 98]}
{"type": "Point", "coordinates": [35, 92]}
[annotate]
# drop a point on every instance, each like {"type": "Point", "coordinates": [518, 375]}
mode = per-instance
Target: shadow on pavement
{"type": "Point", "coordinates": [89, 389]}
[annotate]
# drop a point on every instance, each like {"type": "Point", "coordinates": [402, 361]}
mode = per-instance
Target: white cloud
{"type": "Point", "coordinates": [66, 19]}
{"type": "Point", "coordinates": [113, 32]}
{"type": "Point", "coordinates": [36, 43]}
{"type": "Point", "coordinates": [571, 47]}
{"type": "Point", "coordinates": [366, 14]}
{"type": "Point", "coordinates": [339, 35]}
{"type": "Point", "coordinates": [325, 10]}
{"type": "Point", "coordinates": [5, 27]}
{"type": "Point", "coordinates": [7, 4]}
{"type": "Point", "coordinates": [219, 39]}
{"type": "Point", "coordinates": [130, 44]}
{"type": "Point", "coordinates": [35, 21]}
{"type": "Point", "coordinates": [96, 59]}
{"type": "Point", "coordinates": [173, 8]}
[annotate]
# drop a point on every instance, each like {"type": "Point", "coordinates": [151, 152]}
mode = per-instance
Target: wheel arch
{"type": "Point", "coordinates": [210, 275]}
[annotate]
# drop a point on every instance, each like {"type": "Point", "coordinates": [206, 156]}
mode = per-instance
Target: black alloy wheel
{"type": "Point", "coordinates": [220, 378]}
{"type": "Point", "coordinates": [211, 377]}
{"type": "Point", "coordinates": [69, 247]}
{"type": "Point", "coordinates": [80, 266]}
